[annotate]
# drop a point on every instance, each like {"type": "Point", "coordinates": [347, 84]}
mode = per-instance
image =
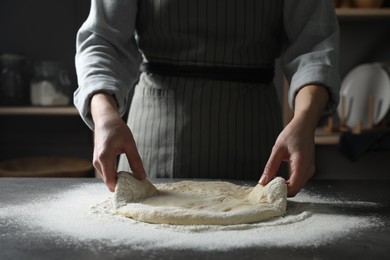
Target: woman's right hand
{"type": "Point", "coordinates": [112, 138]}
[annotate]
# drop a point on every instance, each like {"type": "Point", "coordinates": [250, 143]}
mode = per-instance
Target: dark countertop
{"type": "Point", "coordinates": [372, 243]}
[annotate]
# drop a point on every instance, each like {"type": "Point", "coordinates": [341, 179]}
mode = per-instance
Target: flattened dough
{"type": "Point", "coordinates": [198, 203]}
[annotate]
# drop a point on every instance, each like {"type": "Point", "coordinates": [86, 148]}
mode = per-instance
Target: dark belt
{"type": "Point", "coordinates": [249, 75]}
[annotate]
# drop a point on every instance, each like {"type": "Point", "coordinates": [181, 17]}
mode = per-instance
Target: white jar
{"type": "Point", "coordinates": [50, 85]}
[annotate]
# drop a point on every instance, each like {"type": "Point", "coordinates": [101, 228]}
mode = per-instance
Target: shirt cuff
{"type": "Point", "coordinates": [316, 75]}
{"type": "Point", "coordinates": [83, 95]}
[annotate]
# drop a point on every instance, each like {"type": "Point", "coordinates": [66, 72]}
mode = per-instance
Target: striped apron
{"type": "Point", "coordinates": [194, 127]}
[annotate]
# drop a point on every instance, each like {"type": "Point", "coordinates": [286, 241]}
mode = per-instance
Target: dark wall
{"type": "Point", "coordinates": [42, 29]}
{"type": "Point", "coordinates": [363, 40]}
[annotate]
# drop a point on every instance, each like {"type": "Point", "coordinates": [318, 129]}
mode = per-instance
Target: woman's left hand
{"type": "Point", "coordinates": [295, 145]}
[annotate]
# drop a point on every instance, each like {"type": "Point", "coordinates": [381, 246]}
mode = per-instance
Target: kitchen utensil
{"type": "Point", "coordinates": [362, 84]}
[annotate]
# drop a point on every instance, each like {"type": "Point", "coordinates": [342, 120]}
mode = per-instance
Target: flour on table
{"type": "Point", "coordinates": [198, 202]}
{"type": "Point", "coordinates": [83, 215]}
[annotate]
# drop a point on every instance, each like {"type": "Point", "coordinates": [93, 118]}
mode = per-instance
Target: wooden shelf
{"type": "Point", "coordinates": [326, 138]}
{"type": "Point", "coordinates": [363, 12]}
{"type": "Point", "coordinates": [36, 111]}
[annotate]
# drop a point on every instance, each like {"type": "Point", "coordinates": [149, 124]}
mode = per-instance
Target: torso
{"type": "Point", "coordinates": [199, 128]}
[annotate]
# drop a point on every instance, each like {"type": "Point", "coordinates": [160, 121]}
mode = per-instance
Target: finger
{"type": "Point", "coordinates": [272, 166]}
{"type": "Point", "coordinates": [300, 173]}
{"type": "Point", "coordinates": [293, 186]}
{"type": "Point", "coordinates": [98, 167]}
{"type": "Point", "coordinates": [108, 170]}
{"type": "Point", "coordinates": [135, 161]}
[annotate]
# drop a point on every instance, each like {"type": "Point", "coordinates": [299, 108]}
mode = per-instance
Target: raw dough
{"type": "Point", "coordinates": [198, 203]}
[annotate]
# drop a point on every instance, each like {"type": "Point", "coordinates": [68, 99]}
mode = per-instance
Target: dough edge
{"type": "Point", "coordinates": [128, 202]}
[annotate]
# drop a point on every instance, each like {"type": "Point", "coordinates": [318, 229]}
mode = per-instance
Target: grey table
{"type": "Point", "coordinates": [374, 244]}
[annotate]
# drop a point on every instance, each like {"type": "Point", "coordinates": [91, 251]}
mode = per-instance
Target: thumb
{"type": "Point", "coordinates": [272, 166]}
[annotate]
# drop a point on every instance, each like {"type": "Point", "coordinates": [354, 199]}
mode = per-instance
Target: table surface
{"type": "Point", "coordinates": [374, 244]}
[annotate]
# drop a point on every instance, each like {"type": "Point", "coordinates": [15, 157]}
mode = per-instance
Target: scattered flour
{"type": "Point", "coordinates": [84, 214]}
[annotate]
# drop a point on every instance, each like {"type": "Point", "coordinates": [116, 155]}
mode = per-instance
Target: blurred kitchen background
{"type": "Point", "coordinates": [37, 118]}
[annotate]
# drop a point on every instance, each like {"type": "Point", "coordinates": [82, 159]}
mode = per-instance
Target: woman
{"type": "Point", "coordinates": [204, 105]}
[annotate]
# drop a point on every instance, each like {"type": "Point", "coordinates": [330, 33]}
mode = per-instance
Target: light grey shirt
{"type": "Point", "coordinates": [119, 34]}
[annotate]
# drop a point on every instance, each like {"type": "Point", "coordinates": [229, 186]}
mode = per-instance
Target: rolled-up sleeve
{"type": "Point", "coordinates": [311, 55]}
{"type": "Point", "coordinates": [107, 58]}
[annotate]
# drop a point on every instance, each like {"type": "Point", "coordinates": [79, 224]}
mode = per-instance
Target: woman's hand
{"type": "Point", "coordinates": [112, 138]}
{"type": "Point", "coordinates": [295, 144]}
